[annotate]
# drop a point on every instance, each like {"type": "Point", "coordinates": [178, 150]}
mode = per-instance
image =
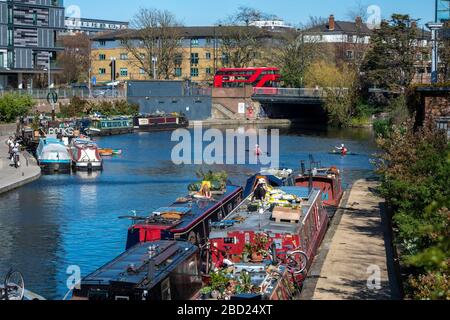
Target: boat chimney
{"type": "Point", "coordinates": [303, 167]}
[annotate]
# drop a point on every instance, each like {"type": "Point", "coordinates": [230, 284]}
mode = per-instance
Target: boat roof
{"type": "Point", "coordinates": [142, 266]}
{"type": "Point", "coordinates": [242, 219]}
{"type": "Point", "coordinates": [46, 141]}
{"type": "Point", "coordinates": [193, 210]}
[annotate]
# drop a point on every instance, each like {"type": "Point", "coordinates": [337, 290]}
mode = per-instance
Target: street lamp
{"type": "Point", "coordinates": [435, 27]}
{"type": "Point", "coordinates": [154, 61]}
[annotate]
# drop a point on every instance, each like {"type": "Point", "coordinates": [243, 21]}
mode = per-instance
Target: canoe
{"type": "Point", "coordinates": [106, 152]}
{"type": "Point", "coordinates": [338, 153]}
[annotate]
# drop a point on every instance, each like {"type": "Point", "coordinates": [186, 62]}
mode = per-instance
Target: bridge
{"type": "Point", "coordinates": [293, 103]}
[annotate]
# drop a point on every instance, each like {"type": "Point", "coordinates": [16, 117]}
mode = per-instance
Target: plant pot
{"type": "Point", "coordinates": [215, 294]}
{"type": "Point", "coordinates": [257, 257]}
{"type": "Point", "coordinates": [206, 279]}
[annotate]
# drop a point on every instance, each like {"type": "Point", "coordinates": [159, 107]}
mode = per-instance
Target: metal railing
{"type": "Point", "coordinates": [296, 92]}
{"type": "Point", "coordinates": [41, 94]}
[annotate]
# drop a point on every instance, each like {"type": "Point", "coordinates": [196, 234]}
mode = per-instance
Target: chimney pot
{"type": "Point", "coordinates": [331, 23]}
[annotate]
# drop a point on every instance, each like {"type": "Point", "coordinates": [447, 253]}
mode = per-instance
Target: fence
{"type": "Point", "coordinates": [41, 94]}
{"type": "Point", "coordinates": [297, 92]}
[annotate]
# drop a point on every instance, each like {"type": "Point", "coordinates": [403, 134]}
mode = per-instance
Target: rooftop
{"type": "Point", "coordinates": [247, 218]}
{"type": "Point", "coordinates": [133, 266]}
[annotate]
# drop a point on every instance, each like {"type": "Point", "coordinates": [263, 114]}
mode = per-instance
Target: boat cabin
{"type": "Point", "coordinates": [274, 178]}
{"type": "Point", "coordinates": [110, 126]}
{"type": "Point", "coordinates": [328, 180]}
{"type": "Point", "coordinates": [160, 122]}
{"type": "Point", "coordinates": [187, 219]}
{"type": "Point", "coordinates": [162, 270]}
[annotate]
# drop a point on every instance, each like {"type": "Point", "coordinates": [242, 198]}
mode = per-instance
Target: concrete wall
{"type": "Point", "coordinates": [7, 130]}
{"type": "Point", "coordinates": [169, 96]}
{"type": "Point", "coordinates": [230, 98]}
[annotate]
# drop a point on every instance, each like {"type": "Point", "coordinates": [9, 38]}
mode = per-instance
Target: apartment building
{"type": "Point", "coordinates": [28, 46]}
{"type": "Point", "coordinates": [92, 26]}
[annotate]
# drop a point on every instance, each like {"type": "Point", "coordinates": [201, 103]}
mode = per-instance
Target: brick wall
{"type": "Point", "coordinates": [437, 107]}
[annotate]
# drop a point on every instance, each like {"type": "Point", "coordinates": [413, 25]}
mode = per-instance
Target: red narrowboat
{"type": "Point", "coordinates": [283, 231]}
{"type": "Point", "coordinates": [188, 219]}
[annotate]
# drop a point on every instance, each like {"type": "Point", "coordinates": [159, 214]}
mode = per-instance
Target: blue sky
{"type": "Point", "coordinates": [207, 12]}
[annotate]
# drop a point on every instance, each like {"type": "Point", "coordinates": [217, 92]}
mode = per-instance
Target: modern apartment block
{"type": "Point", "coordinates": [92, 26]}
{"type": "Point", "coordinates": [28, 47]}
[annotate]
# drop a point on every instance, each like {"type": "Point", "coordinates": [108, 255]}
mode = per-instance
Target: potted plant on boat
{"type": "Point", "coordinates": [219, 283]}
{"type": "Point", "coordinates": [205, 293]}
{"type": "Point", "coordinates": [257, 250]}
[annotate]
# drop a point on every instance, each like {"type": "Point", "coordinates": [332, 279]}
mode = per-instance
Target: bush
{"type": "Point", "coordinates": [13, 105]}
{"type": "Point", "coordinates": [79, 107]}
{"type": "Point", "coordinates": [416, 174]}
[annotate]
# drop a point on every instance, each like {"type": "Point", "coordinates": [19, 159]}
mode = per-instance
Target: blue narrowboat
{"type": "Point", "coordinates": [53, 156]}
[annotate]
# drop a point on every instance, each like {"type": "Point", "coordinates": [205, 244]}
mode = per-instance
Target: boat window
{"type": "Point", "coordinates": [104, 124]}
{"type": "Point", "coordinates": [125, 124]}
{"type": "Point", "coordinates": [118, 124]}
{"type": "Point", "coordinates": [165, 290]}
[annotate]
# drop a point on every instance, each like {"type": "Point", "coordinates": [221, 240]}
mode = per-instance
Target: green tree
{"type": "Point", "coordinates": [339, 85]}
{"type": "Point", "coordinates": [13, 105]}
{"type": "Point", "coordinates": [389, 64]}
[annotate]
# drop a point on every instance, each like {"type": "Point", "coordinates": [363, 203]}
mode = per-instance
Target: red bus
{"type": "Point", "coordinates": [238, 77]}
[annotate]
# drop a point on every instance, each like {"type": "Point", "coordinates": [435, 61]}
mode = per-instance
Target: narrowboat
{"type": "Point", "coordinates": [164, 122]}
{"type": "Point", "coordinates": [85, 155]}
{"type": "Point", "coordinates": [188, 219]}
{"type": "Point", "coordinates": [286, 228]}
{"type": "Point", "coordinates": [110, 126]}
{"type": "Point", "coordinates": [53, 156]}
{"type": "Point", "coordinates": [329, 180]}
{"type": "Point", "coordinates": [161, 270]}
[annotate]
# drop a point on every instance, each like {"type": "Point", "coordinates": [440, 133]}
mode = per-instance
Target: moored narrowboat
{"type": "Point", "coordinates": [110, 126]}
{"type": "Point", "coordinates": [284, 229]}
{"type": "Point", "coordinates": [85, 155]}
{"type": "Point", "coordinates": [329, 180]}
{"type": "Point", "coordinates": [188, 219]}
{"type": "Point", "coordinates": [162, 122]}
{"type": "Point", "coordinates": [161, 270]}
{"type": "Point", "coordinates": [53, 156]}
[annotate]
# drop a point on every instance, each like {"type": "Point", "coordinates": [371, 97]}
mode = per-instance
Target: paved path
{"type": "Point", "coordinates": [12, 178]}
{"type": "Point", "coordinates": [357, 250]}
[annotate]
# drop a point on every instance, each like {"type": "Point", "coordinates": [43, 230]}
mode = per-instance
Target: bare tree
{"type": "Point", "coordinates": [74, 60]}
{"type": "Point", "coordinates": [156, 35]}
{"type": "Point", "coordinates": [240, 41]}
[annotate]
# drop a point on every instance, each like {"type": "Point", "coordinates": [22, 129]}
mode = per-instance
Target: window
{"type": "Point", "coordinates": [225, 59]}
{"type": "Point", "coordinates": [102, 43]}
{"type": "Point", "coordinates": [124, 56]}
{"type": "Point", "coordinates": [194, 58]}
{"type": "Point", "coordinates": [102, 57]}
{"type": "Point", "coordinates": [141, 71]}
{"type": "Point", "coordinates": [194, 72]}
{"type": "Point", "coordinates": [124, 72]}
{"type": "Point", "coordinates": [208, 71]}
{"type": "Point", "coordinates": [102, 71]}
{"type": "Point", "coordinates": [178, 72]}
{"type": "Point", "coordinates": [208, 41]}
{"type": "Point", "coordinates": [178, 59]}
{"type": "Point", "coordinates": [194, 43]}
{"type": "Point", "coordinates": [208, 56]}
{"type": "Point", "coordinates": [349, 54]}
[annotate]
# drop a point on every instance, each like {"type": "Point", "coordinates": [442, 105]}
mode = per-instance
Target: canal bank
{"type": "Point", "coordinates": [12, 178]}
{"type": "Point", "coordinates": [241, 122]}
{"type": "Point", "coordinates": [355, 261]}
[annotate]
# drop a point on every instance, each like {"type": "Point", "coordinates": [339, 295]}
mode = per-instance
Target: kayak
{"type": "Point", "coordinates": [339, 153]}
{"type": "Point", "coordinates": [110, 152]}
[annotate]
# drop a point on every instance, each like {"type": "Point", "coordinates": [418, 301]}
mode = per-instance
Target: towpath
{"type": "Point", "coordinates": [356, 260]}
{"type": "Point", "coordinates": [12, 178]}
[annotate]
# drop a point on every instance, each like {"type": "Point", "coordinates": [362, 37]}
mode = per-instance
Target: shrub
{"type": "Point", "coordinates": [13, 105]}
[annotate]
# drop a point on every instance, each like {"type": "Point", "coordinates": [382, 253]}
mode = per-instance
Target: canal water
{"type": "Point", "coordinates": [73, 220]}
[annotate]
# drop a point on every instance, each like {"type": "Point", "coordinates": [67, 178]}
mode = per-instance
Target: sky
{"type": "Point", "coordinates": [209, 12]}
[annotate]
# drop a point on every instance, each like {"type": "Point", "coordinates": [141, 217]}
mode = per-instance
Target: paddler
{"type": "Point", "coordinates": [343, 149]}
{"type": "Point", "coordinates": [258, 151]}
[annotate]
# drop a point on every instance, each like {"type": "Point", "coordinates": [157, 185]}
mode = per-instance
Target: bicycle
{"type": "Point", "coordinates": [13, 288]}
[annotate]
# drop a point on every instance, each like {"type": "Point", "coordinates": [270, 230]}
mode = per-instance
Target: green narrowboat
{"type": "Point", "coordinates": [110, 126]}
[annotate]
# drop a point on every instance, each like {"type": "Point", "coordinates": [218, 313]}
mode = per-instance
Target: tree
{"type": "Point", "coordinates": [339, 85]}
{"type": "Point", "coordinates": [156, 35]}
{"type": "Point", "coordinates": [293, 55]}
{"type": "Point", "coordinates": [240, 41]}
{"type": "Point", "coordinates": [74, 60]}
{"type": "Point", "coordinates": [389, 64]}
{"type": "Point", "coordinates": [13, 105]}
